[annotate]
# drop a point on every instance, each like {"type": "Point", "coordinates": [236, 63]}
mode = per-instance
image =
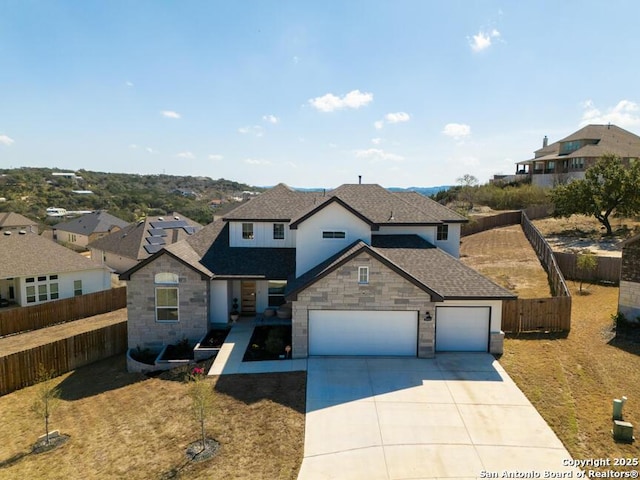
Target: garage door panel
{"type": "Point", "coordinates": [347, 332]}
{"type": "Point", "coordinates": [462, 329]}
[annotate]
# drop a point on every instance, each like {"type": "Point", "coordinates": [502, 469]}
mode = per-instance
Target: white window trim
{"type": "Point", "coordinates": [334, 231]}
{"type": "Point", "coordinates": [363, 272]}
{"type": "Point", "coordinates": [177, 307]}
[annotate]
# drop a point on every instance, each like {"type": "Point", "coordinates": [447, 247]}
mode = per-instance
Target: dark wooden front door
{"type": "Point", "coordinates": [248, 306]}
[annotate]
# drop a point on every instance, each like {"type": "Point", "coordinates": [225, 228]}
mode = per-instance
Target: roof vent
{"type": "Point", "coordinates": [7, 232]}
{"type": "Point", "coordinates": [22, 232]}
{"type": "Point", "coordinates": [176, 217]}
{"type": "Point", "coordinates": [391, 216]}
{"type": "Point", "coordinates": [160, 219]}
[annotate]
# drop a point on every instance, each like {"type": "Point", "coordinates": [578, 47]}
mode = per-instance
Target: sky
{"type": "Point", "coordinates": [310, 93]}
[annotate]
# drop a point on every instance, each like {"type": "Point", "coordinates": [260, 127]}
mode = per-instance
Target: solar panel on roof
{"type": "Point", "coordinates": [153, 248]}
{"type": "Point", "coordinates": [170, 224]}
{"type": "Point", "coordinates": [158, 232]}
{"type": "Point", "coordinates": [156, 240]}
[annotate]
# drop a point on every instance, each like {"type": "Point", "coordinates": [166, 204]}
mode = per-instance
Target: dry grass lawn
{"type": "Point", "coordinates": [125, 425]}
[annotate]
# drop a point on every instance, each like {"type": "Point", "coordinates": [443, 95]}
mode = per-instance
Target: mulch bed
{"type": "Point", "coordinates": [268, 342]}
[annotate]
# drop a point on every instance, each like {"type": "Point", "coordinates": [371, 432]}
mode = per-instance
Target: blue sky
{"type": "Point", "coordinates": [310, 93]}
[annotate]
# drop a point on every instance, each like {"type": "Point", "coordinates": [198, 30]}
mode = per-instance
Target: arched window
{"type": "Point", "coordinates": [166, 278]}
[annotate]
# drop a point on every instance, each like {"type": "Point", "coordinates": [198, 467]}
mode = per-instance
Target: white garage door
{"type": "Point", "coordinates": [462, 329]}
{"type": "Point", "coordinates": [373, 333]}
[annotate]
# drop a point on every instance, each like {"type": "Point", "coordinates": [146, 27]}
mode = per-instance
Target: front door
{"type": "Point", "coordinates": [248, 306]}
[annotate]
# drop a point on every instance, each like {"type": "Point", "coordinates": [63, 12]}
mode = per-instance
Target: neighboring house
{"type": "Point", "coordinates": [569, 158]}
{"type": "Point", "coordinates": [86, 228]}
{"type": "Point", "coordinates": [364, 271]}
{"type": "Point", "coordinates": [123, 249]}
{"type": "Point", "coordinates": [35, 270]}
{"type": "Point", "coordinates": [629, 296]}
{"type": "Point", "coordinates": [15, 222]}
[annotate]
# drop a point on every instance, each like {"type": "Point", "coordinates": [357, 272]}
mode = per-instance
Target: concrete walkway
{"type": "Point", "coordinates": [456, 416]}
{"type": "Point", "coordinates": [229, 359]}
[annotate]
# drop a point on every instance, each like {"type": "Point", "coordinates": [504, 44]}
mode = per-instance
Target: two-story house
{"type": "Point", "coordinates": [568, 158]}
{"type": "Point", "coordinates": [81, 231]}
{"type": "Point", "coordinates": [365, 271]}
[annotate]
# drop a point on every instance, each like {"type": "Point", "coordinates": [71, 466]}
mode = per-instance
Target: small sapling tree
{"type": "Point", "coordinates": [47, 398]}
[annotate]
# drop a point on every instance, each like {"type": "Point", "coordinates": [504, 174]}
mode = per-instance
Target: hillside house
{"type": "Point", "coordinates": [81, 231]}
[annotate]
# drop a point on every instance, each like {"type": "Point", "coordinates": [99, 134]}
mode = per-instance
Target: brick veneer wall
{"type": "Point", "coordinates": [629, 296]}
{"type": "Point", "coordinates": [143, 330]}
{"type": "Point", "coordinates": [340, 290]}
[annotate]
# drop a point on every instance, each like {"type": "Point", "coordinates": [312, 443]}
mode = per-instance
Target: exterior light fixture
{"type": "Point", "coordinates": [427, 317]}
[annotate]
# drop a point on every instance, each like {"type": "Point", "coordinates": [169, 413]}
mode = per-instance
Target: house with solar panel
{"type": "Point", "coordinates": [123, 249]}
{"type": "Point", "coordinates": [358, 270]}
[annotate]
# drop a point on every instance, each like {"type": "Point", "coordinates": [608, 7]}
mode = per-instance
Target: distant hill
{"type": "Point", "coordinates": [30, 191]}
{"type": "Point", "coordinates": [427, 191]}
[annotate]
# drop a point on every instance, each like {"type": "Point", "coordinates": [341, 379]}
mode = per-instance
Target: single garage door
{"type": "Point", "coordinates": [462, 329]}
{"type": "Point", "coordinates": [372, 333]}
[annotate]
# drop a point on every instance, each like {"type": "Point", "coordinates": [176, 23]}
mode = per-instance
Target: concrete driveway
{"type": "Point", "coordinates": [459, 415]}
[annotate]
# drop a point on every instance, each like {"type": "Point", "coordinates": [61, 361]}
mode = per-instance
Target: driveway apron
{"type": "Point", "coordinates": [456, 416]}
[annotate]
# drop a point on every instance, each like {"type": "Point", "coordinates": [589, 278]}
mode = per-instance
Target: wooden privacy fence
{"type": "Point", "coordinates": [607, 269]}
{"type": "Point", "coordinates": [532, 314]}
{"type": "Point", "coordinates": [23, 319]}
{"type": "Point", "coordinates": [20, 369]}
{"type": "Point", "coordinates": [480, 224]}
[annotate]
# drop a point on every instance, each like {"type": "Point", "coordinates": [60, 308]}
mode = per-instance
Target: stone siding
{"type": "Point", "coordinates": [630, 267]}
{"type": "Point", "coordinates": [629, 300]}
{"type": "Point", "coordinates": [340, 290]}
{"type": "Point", "coordinates": [143, 330]}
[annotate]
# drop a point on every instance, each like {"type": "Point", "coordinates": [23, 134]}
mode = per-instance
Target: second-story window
{"type": "Point", "coordinates": [247, 231]}
{"type": "Point", "coordinates": [363, 275]}
{"type": "Point", "coordinates": [278, 231]}
{"type": "Point", "coordinates": [442, 233]}
{"type": "Point", "coordinates": [328, 234]}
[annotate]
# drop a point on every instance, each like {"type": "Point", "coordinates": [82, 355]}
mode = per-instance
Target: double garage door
{"type": "Point", "coordinates": [393, 333]}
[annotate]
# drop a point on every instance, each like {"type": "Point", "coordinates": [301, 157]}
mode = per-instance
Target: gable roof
{"type": "Point", "coordinates": [13, 220]}
{"type": "Point", "coordinates": [141, 240]}
{"type": "Point", "coordinates": [31, 254]}
{"type": "Point", "coordinates": [427, 267]}
{"type": "Point", "coordinates": [378, 206]}
{"type": "Point", "coordinates": [607, 139]}
{"type": "Point", "coordinates": [95, 222]}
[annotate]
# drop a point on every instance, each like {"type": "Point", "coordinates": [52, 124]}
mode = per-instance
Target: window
{"type": "Point", "coordinates": [333, 234]}
{"type": "Point", "coordinates": [42, 292]}
{"type": "Point", "coordinates": [443, 232]}
{"type": "Point", "coordinates": [577, 163]}
{"type": "Point", "coordinates": [30, 280]}
{"type": "Point", "coordinates": [53, 291]}
{"type": "Point", "coordinates": [276, 292]}
{"type": "Point", "coordinates": [363, 275]}
{"type": "Point", "coordinates": [77, 287]}
{"type": "Point", "coordinates": [166, 277]}
{"type": "Point", "coordinates": [278, 231]}
{"type": "Point", "coordinates": [31, 294]}
{"type": "Point", "coordinates": [167, 304]}
{"type": "Point", "coordinates": [247, 231]}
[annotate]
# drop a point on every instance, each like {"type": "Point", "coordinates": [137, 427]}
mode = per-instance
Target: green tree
{"type": "Point", "coordinates": [609, 187]}
{"type": "Point", "coordinates": [47, 398]}
{"type": "Point", "coordinates": [467, 184]}
{"type": "Point", "coordinates": [586, 263]}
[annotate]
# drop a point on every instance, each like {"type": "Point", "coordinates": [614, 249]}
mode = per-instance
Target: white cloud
{"type": "Point", "coordinates": [186, 155]}
{"type": "Point", "coordinates": [457, 130]}
{"type": "Point", "coordinates": [331, 102]}
{"type": "Point", "coordinates": [257, 161]}
{"type": "Point", "coordinates": [256, 130]}
{"type": "Point", "coordinates": [128, 83]}
{"type": "Point", "coordinates": [270, 119]}
{"type": "Point", "coordinates": [150, 150]}
{"type": "Point", "coordinates": [215, 157]}
{"type": "Point", "coordinates": [6, 140]}
{"type": "Point", "coordinates": [170, 114]}
{"type": "Point", "coordinates": [296, 59]}
{"type": "Point", "coordinates": [483, 40]}
{"type": "Point", "coordinates": [397, 117]}
{"type": "Point", "coordinates": [378, 125]}
{"type": "Point", "coordinates": [376, 141]}
{"type": "Point", "coordinates": [625, 114]}
{"type": "Point", "coordinates": [133, 146]}
{"type": "Point", "coordinates": [377, 155]}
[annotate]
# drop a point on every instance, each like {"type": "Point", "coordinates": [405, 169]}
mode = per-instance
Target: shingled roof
{"type": "Point", "coordinates": [429, 268]}
{"type": "Point", "coordinates": [606, 139]}
{"type": "Point", "coordinates": [135, 240]}
{"type": "Point", "coordinates": [30, 254]}
{"type": "Point", "coordinates": [89, 223]}
{"type": "Point", "coordinates": [372, 203]}
{"type": "Point", "coordinates": [11, 220]}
